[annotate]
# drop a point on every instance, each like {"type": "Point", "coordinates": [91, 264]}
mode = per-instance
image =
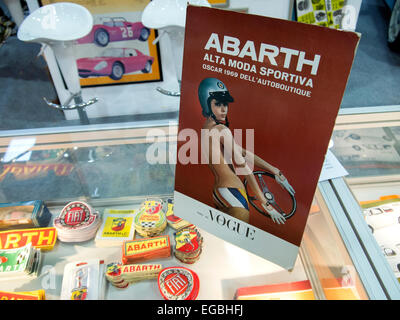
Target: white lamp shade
{"type": "Point", "coordinates": [63, 21]}
{"type": "Point", "coordinates": [162, 13]}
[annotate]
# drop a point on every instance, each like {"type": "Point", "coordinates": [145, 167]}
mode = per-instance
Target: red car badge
{"type": "Point", "coordinates": [75, 214]}
{"type": "Point", "coordinates": [178, 283]}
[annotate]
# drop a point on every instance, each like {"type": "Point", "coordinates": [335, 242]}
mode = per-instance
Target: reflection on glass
{"type": "Point", "coordinates": [383, 219]}
{"type": "Point", "coordinates": [58, 170]}
{"type": "Point", "coordinates": [335, 275]}
{"type": "Point", "coordinates": [18, 150]}
{"type": "Point", "coordinates": [368, 152]}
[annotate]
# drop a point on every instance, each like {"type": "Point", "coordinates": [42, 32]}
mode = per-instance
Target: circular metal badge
{"type": "Point", "coordinates": [178, 283]}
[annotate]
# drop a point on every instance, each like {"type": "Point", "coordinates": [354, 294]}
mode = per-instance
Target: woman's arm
{"type": "Point", "coordinates": [262, 164]}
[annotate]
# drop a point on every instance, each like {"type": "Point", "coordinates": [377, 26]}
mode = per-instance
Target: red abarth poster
{"type": "Point", "coordinates": [259, 100]}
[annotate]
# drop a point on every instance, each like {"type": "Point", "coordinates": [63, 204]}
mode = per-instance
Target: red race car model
{"type": "Point", "coordinates": [115, 62]}
{"type": "Point", "coordinates": [115, 29]}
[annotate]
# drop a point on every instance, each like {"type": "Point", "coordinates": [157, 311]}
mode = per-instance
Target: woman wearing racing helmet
{"type": "Point", "coordinates": [229, 192]}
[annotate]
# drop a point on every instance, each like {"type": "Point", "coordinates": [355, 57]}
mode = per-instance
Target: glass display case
{"type": "Point", "coordinates": [367, 145]}
{"type": "Point", "coordinates": [45, 155]}
{"type": "Point", "coordinates": [107, 168]}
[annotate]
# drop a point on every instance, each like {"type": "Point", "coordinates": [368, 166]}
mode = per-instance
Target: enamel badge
{"type": "Point", "coordinates": [178, 283]}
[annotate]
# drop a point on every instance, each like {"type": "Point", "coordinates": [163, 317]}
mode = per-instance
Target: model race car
{"type": "Point", "coordinates": [391, 252]}
{"type": "Point", "coordinates": [115, 62]}
{"type": "Point", "coordinates": [383, 216]}
{"type": "Point", "coordinates": [115, 29]}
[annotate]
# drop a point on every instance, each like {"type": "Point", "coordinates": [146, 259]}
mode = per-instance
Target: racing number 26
{"type": "Point", "coordinates": [127, 32]}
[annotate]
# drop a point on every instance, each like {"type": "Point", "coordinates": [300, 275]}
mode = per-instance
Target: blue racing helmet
{"type": "Point", "coordinates": [212, 88]}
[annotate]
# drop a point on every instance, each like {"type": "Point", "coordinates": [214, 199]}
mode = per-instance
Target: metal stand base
{"type": "Point", "coordinates": [170, 93]}
{"type": "Point", "coordinates": [79, 104]}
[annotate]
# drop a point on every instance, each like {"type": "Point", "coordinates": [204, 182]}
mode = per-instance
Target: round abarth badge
{"type": "Point", "coordinates": [75, 214]}
{"type": "Point", "coordinates": [178, 283]}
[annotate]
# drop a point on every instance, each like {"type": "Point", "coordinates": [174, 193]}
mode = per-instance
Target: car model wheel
{"type": "Point", "coordinates": [147, 67]}
{"type": "Point", "coordinates": [117, 71]}
{"type": "Point", "coordinates": [302, 5]}
{"type": "Point", "coordinates": [394, 28]}
{"type": "Point", "coordinates": [101, 37]}
{"type": "Point", "coordinates": [144, 34]}
{"type": "Point", "coordinates": [354, 136]}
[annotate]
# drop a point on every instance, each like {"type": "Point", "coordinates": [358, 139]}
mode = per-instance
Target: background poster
{"type": "Point", "coordinates": [287, 80]}
{"type": "Point", "coordinates": [115, 59]}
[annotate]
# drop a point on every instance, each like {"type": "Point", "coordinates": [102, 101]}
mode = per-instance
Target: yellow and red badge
{"type": "Point", "coordinates": [121, 276]}
{"type": "Point", "coordinates": [28, 295]}
{"type": "Point", "coordinates": [41, 238]}
{"type": "Point", "coordinates": [146, 249]}
{"type": "Point", "coordinates": [178, 283]}
{"type": "Point", "coordinates": [118, 224]}
{"type": "Point", "coordinates": [114, 275]}
{"type": "Point", "coordinates": [79, 294]}
{"type": "Point", "coordinates": [188, 244]}
{"type": "Point", "coordinates": [150, 221]}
